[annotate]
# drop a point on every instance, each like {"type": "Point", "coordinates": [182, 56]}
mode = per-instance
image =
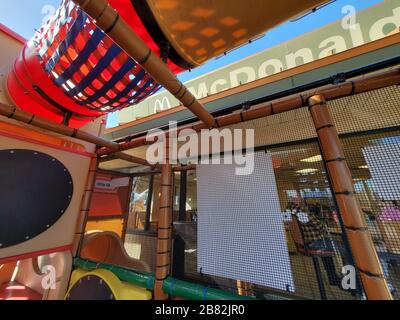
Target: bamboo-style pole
{"type": "Point", "coordinates": [362, 246]}
{"type": "Point", "coordinates": [85, 206]}
{"type": "Point", "coordinates": [129, 158]}
{"type": "Point", "coordinates": [29, 118]}
{"type": "Point", "coordinates": [109, 20]}
{"type": "Point", "coordinates": [164, 240]}
{"type": "Point", "coordinates": [368, 83]}
{"type": "Point", "coordinates": [244, 289]}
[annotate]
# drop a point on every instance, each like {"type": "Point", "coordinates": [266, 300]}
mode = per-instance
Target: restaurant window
{"type": "Point", "coordinates": [185, 223]}
{"type": "Point", "coordinates": [177, 187]}
{"type": "Point", "coordinates": [144, 204]}
{"type": "Point", "coordinates": [141, 231]}
{"type": "Point", "coordinates": [306, 201]}
{"type": "Point", "coordinates": [185, 196]}
{"type": "Point", "coordinates": [138, 203]}
{"type": "Point", "coordinates": [191, 200]}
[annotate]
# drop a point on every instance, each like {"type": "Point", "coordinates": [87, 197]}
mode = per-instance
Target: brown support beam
{"type": "Point", "coordinates": [114, 173]}
{"type": "Point", "coordinates": [154, 172]}
{"type": "Point", "coordinates": [85, 206]}
{"type": "Point", "coordinates": [362, 246]}
{"type": "Point", "coordinates": [365, 84]}
{"type": "Point", "coordinates": [125, 157]}
{"type": "Point", "coordinates": [185, 168]}
{"type": "Point", "coordinates": [108, 19]}
{"type": "Point", "coordinates": [164, 241]}
{"type": "Point", "coordinates": [35, 121]}
{"type": "Point", "coordinates": [132, 159]}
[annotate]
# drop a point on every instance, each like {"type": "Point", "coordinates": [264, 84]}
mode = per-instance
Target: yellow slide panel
{"type": "Point", "coordinates": [120, 290]}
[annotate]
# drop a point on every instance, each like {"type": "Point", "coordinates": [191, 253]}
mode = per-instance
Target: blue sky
{"type": "Point", "coordinates": [23, 16]}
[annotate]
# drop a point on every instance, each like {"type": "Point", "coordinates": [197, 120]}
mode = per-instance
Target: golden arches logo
{"type": "Point", "coordinates": [162, 104]}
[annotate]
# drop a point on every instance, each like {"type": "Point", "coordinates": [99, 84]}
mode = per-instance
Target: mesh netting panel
{"type": "Point", "coordinates": [142, 247]}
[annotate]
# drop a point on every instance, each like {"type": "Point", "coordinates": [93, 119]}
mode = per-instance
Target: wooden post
{"type": "Point", "coordinates": [85, 205]}
{"type": "Point", "coordinates": [164, 241]}
{"type": "Point", "coordinates": [362, 246]}
{"type": "Point", "coordinates": [244, 289]}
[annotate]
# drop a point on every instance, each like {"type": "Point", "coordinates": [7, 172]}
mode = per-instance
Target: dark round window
{"type": "Point", "coordinates": [91, 288]}
{"type": "Point", "coordinates": [35, 191]}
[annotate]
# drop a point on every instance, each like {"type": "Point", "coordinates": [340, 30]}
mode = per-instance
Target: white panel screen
{"type": "Point", "coordinates": [240, 225]}
{"type": "Point", "coordinates": [383, 163]}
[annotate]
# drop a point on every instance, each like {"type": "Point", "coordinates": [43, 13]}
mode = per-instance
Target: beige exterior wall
{"type": "Point", "coordinates": [10, 48]}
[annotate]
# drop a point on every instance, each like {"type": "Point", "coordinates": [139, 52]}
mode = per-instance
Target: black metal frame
{"type": "Point", "coordinates": [149, 21]}
{"type": "Point", "coordinates": [183, 196]}
{"type": "Point", "coordinates": [149, 203]}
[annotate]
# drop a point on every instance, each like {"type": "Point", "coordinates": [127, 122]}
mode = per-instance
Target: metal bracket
{"type": "Point", "coordinates": [246, 106]}
{"type": "Point", "coordinates": [339, 78]}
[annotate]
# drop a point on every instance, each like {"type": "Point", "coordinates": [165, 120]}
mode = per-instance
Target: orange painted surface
{"type": "Point", "coordinates": [24, 134]}
{"type": "Point", "coordinates": [109, 198]}
{"type": "Point", "coordinates": [108, 247]}
{"type": "Point", "coordinates": [105, 204]}
{"type": "Point", "coordinates": [6, 271]}
{"type": "Point", "coordinates": [114, 225]}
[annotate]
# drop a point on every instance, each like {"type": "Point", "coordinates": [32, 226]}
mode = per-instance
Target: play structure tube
{"type": "Point", "coordinates": [200, 30]}
{"type": "Point", "coordinates": [71, 72]}
{"type": "Point", "coordinates": [92, 57]}
{"type": "Point", "coordinates": [140, 279]}
{"type": "Point", "coordinates": [109, 20]}
{"type": "Point", "coordinates": [171, 286]}
{"type": "Point", "coordinates": [192, 291]}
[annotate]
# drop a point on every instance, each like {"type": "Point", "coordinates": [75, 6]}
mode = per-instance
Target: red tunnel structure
{"type": "Point", "coordinates": [71, 72]}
